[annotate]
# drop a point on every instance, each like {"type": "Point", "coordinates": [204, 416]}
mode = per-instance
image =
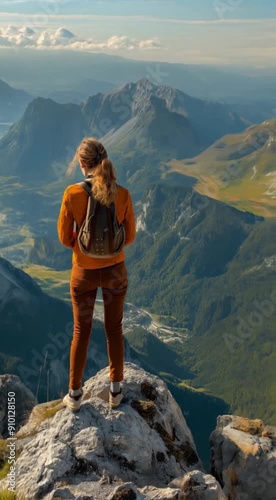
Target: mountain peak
{"type": "Point", "coordinates": [4, 85]}
{"type": "Point", "coordinates": [145, 83]}
{"type": "Point", "coordinates": [7, 90]}
{"type": "Point", "coordinates": [39, 107]}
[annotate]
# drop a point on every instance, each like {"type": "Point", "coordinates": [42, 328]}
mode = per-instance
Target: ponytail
{"type": "Point", "coordinates": [104, 186]}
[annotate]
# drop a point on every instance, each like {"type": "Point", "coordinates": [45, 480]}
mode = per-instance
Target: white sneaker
{"type": "Point", "coordinates": [73, 401]}
{"type": "Point", "coordinates": [115, 399]}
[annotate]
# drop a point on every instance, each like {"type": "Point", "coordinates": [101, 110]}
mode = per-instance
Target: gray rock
{"type": "Point", "coordinates": [244, 458]}
{"type": "Point", "coordinates": [63, 493]}
{"type": "Point", "coordinates": [145, 441]}
{"type": "Point", "coordinates": [152, 493]}
{"type": "Point", "coordinates": [24, 402]}
{"type": "Point", "coordinates": [127, 491]}
{"type": "Point", "coordinates": [199, 486]}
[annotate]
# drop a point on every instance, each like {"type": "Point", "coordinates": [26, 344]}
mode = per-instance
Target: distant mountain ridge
{"type": "Point", "coordinates": [202, 81]}
{"type": "Point", "coordinates": [12, 102]}
{"type": "Point", "coordinates": [149, 122]}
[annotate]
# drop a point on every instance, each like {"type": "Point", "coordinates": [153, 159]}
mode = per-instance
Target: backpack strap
{"type": "Point", "coordinates": [113, 214]}
{"type": "Point", "coordinates": [86, 185]}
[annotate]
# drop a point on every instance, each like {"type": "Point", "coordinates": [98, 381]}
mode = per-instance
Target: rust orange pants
{"type": "Point", "coordinates": [83, 289]}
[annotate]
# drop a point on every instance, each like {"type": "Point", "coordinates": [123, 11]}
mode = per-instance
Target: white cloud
{"type": "Point", "coordinates": [12, 36]}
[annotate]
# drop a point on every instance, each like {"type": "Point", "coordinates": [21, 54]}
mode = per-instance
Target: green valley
{"type": "Point", "coordinates": [238, 169]}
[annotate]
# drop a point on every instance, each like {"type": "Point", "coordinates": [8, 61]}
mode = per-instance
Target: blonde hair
{"type": "Point", "coordinates": [92, 155]}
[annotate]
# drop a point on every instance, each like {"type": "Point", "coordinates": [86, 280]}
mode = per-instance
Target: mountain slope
{"type": "Point", "coordinates": [27, 316]}
{"type": "Point", "coordinates": [211, 119]}
{"type": "Point", "coordinates": [36, 332]}
{"type": "Point", "coordinates": [12, 102]}
{"type": "Point", "coordinates": [42, 136]}
{"type": "Point", "coordinates": [208, 268]}
{"type": "Point", "coordinates": [238, 169]}
{"type": "Point", "coordinates": [155, 128]}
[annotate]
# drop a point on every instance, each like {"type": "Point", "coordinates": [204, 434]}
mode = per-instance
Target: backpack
{"type": "Point", "coordinates": [100, 235]}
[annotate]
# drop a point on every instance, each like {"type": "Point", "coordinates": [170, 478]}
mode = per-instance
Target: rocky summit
{"type": "Point", "coordinates": [99, 453]}
{"type": "Point", "coordinates": [142, 450]}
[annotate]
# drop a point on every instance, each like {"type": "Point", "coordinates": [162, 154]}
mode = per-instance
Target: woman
{"type": "Point", "coordinates": [88, 273]}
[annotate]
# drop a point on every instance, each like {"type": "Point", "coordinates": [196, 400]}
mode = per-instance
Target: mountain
{"type": "Point", "coordinates": [12, 102]}
{"type": "Point", "coordinates": [29, 321]}
{"type": "Point", "coordinates": [133, 99]}
{"type": "Point", "coordinates": [144, 123]}
{"type": "Point", "coordinates": [155, 129]}
{"type": "Point", "coordinates": [44, 134]}
{"type": "Point", "coordinates": [238, 169]}
{"type": "Point", "coordinates": [208, 269]}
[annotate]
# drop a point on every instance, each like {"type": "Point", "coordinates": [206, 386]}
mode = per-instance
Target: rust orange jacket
{"type": "Point", "coordinates": [73, 209]}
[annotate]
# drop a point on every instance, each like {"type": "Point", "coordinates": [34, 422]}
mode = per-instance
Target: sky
{"type": "Point", "coordinates": [220, 32]}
